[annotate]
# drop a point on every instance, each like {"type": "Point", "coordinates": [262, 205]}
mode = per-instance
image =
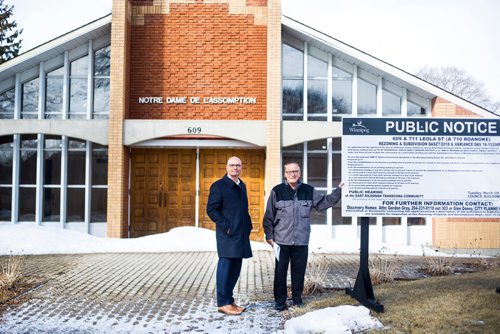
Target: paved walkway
{"type": "Point", "coordinates": [152, 293]}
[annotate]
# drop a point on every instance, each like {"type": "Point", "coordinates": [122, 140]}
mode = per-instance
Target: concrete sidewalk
{"type": "Point", "coordinates": [152, 293]}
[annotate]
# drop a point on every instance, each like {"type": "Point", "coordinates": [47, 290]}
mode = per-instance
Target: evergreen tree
{"type": "Point", "coordinates": [9, 34]}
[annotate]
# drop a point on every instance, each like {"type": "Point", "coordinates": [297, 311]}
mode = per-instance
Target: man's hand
{"type": "Point", "coordinates": [271, 242]}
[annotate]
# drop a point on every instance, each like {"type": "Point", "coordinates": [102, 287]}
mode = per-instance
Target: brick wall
{"type": "Point", "coordinates": [198, 49]}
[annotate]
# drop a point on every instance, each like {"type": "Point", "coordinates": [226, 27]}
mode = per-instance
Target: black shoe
{"type": "Point", "coordinates": [298, 303]}
{"type": "Point", "coordinates": [280, 307]}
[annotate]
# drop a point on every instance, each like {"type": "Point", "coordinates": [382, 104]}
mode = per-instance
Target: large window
{"type": "Point", "coordinates": [391, 104]}
{"type": "Point", "coordinates": [75, 203]}
{"type": "Point", "coordinates": [52, 178]}
{"type": "Point", "coordinates": [293, 83]}
{"type": "Point", "coordinates": [101, 82]}
{"type": "Point", "coordinates": [367, 98]}
{"type": "Point", "coordinates": [414, 110]}
{"type": "Point", "coordinates": [27, 178]}
{"type": "Point", "coordinates": [6, 155]}
{"type": "Point", "coordinates": [99, 183]}
{"type": "Point", "coordinates": [7, 99]}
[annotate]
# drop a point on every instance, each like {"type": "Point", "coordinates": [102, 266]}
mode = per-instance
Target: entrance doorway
{"type": "Point", "coordinates": [165, 192]}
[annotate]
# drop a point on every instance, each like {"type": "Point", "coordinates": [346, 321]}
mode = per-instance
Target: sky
{"type": "Point", "coordinates": [409, 34]}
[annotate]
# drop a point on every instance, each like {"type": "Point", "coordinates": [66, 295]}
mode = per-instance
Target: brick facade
{"type": "Point", "coordinates": [198, 49]}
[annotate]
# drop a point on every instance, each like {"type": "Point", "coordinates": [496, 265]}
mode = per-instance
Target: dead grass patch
{"type": "Point", "coordinates": [383, 268]}
{"type": "Point", "coordinates": [317, 270]}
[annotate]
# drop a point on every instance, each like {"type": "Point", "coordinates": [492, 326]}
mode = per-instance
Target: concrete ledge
{"type": "Point", "coordinates": [296, 132]}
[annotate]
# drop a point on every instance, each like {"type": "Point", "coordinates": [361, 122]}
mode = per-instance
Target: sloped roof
{"type": "Point", "coordinates": [56, 46]}
{"type": "Point", "coordinates": [376, 66]}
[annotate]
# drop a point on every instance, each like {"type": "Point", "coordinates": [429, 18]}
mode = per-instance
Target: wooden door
{"type": "Point", "coordinates": [162, 190]}
{"type": "Point", "coordinates": [213, 167]}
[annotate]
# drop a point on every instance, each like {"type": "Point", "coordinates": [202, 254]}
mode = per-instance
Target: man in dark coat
{"type": "Point", "coordinates": [227, 206]}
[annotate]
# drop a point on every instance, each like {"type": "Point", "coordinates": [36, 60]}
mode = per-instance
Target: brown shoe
{"type": "Point", "coordinates": [241, 308]}
{"type": "Point", "coordinates": [229, 310]}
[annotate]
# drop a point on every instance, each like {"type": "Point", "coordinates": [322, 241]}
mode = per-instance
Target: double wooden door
{"type": "Point", "coordinates": [163, 187]}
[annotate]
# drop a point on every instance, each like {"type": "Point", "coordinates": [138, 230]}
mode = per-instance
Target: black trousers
{"type": "Point", "coordinates": [297, 257]}
{"type": "Point", "coordinates": [228, 272]}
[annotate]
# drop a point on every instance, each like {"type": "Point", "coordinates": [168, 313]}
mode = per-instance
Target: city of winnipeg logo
{"type": "Point", "coordinates": [358, 127]}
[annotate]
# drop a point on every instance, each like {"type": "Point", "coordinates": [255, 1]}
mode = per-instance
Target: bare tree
{"type": "Point", "coordinates": [460, 83]}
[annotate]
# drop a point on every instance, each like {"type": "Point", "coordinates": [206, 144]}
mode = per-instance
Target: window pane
{"type": "Point", "coordinates": [316, 99]}
{"type": "Point", "coordinates": [99, 205]}
{"type": "Point", "coordinates": [293, 154]}
{"type": "Point", "coordinates": [52, 167]}
{"type": "Point", "coordinates": [27, 174]}
{"type": "Point", "coordinates": [29, 141]}
{"type": "Point", "coordinates": [338, 73]}
{"type": "Point", "coordinates": [337, 218]}
{"type": "Point", "coordinates": [79, 66]}
{"type": "Point", "coordinates": [29, 105]}
{"type": "Point", "coordinates": [75, 206]}
{"type": "Point", "coordinates": [101, 95]}
{"type": "Point", "coordinates": [342, 97]}
{"type": "Point", "coordinates": [76, 167]}
{"type": "Point", "coordinates": [102, 61]}
{"type": "Point", "coordinates": [5, 203]}
{"type": "Point", "coordinates": [317, 163]}
{"type": "Point", "coordinates": [293, 62]}
{"type": "Point", "coordinates": [391, 104]}
{"type": "Point", "coordinates": [78, 98]}
{"type": "Point", "coordinates": [6, 156]}
{"type": "Point", "coordinates": [316, 67]}
{"type": "Point", "coordinates": [27, 204]}
{"type": "Point", "coordinates": [99, 166]}
{"type": "Point", "coordinates": [367, 98]}
{"type": "Point", "coordinates": [7, 104]}
{"type": "Point", "coordinates": [77, 144]}
{"type": "Point", "coordinates": [54, 94]}
{"type": "Point", "coordinates": [293, 99]}
{"type": "Point", "coordinates": [51, 204]}
{"type": "Point", "coordinates": [415, 110]}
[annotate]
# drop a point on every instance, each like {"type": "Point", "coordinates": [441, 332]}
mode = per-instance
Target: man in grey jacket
{"type": "Point", "coordinates": [287, 222]}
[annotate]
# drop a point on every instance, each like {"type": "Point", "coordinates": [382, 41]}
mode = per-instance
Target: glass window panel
{"type": "Point", "coordinates": [77, 144]}
{"type": "Point", "coordinates": [318, 217]}
{"type": "Point", "coordinates": [7, 99]}
{"type": "Point", "coordinates": [5, 203]}
{"type": "Point", "coordinates": [337, 144]}
{"type": "Point", "coordinates": [316, 67]}
{"type": "Point", "coordinates": [27, 204]}
{"type": "Point", "coordinates": [293, 99]}
{"type": "Point", "coordinates": [336, 169]}
{"type": "Point", "coordinates": [413, 221]}
{"type": "Point", "coordinates": [53, 142]}
{"type": "Point", "coordinates": [51, 204]}
{"type": "Point", "coordinates": [342, 97]}
{"type": "Point", "coordinates": [338, 73]}
{"type": "Point", "coordinates": [316, 169]}
{"type": "Point", "coordinates": [391, 221]}
{"type": "Point", "coordinates": [99, 205]}
{"type": "Point", "coordinates": [391, 104]}
{"type": "Point", "coordinates": [76, 167]}
{"type": "Point", "coordinates": [100, 167]}
{"type": "Point", "coordinates": [27, 173]}
{"type": "Point", "coordinates": [54, 94]}
{"type": "Point", "coordinates": [293, 62]}
{"type": "Point", "coordinates": [75, 205]}
{"type": "Point", "coordinates": [415, 110]}
{"type": "Point", "coordinates": [101, 95]}
{"type": "Point", "coordinates": [293, 153]}
{"type": "Point", "coordinates": [371, 221]}
{"type": "Point", "coordinates": [79, 66]}
{"type": "Point", "coordinates": [102, 61]}
{"type": "Point", "coordinates": [316, 98]}
{"type": "Point", "coordinates": [367, 98]}
{"type": "Point", "coordinates": [337, 218]}
{"type": "Point", "coordinates": [52, 167]}
{"type": "Point", "coordinates": [78, 98]}
{"type": "Point", "coordinates": [29, 105]}
{"type": "Point", "coordinates": [29, 141]}
{"type": "Point", "coordinates": [6, 156]}
{"type": "Point", "coordinates": [317, 145]}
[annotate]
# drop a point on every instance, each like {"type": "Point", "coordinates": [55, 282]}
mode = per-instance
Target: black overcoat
{"type": "Point", "coordinates": [227, 206]}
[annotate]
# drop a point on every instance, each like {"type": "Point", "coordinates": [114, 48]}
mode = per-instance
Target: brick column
{"type": "Point", "coordinates": [118, 155]}
{"type": "Point", "coordinates": [273, 132]}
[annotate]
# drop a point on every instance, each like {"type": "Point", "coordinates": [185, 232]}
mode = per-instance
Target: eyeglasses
{"type": "Point", "coordinates": [290, 172]}
{"type": "Point", "coordinates": [234, 165]}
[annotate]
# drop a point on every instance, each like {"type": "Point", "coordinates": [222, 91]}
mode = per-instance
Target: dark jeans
{"type": "Point", "coordinates": [228, 272]}
{"type": "Point", "coordinates": [297, 257]}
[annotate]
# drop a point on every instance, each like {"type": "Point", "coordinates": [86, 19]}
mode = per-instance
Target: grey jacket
{"type": "Point", "coordinates": [287, 220]}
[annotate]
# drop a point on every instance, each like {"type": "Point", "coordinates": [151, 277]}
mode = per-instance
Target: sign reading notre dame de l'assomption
{"type": "Point", "coordinates": [421, 167]}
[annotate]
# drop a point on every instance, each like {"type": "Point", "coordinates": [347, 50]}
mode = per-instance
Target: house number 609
{"type": "Point", "coordinates": [193, 129]}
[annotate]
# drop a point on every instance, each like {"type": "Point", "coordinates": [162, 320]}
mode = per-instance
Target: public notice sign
{"type": "Point", "coordinates": [421, 167]}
